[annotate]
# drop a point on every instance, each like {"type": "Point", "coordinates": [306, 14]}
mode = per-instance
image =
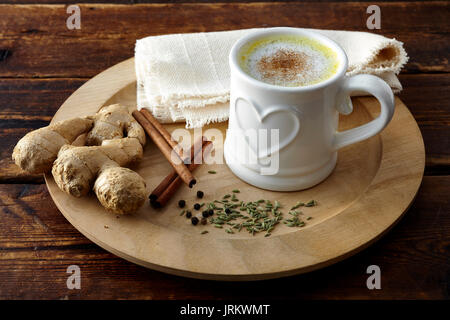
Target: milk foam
{"type": "Point", "coordinates": [288, 61]}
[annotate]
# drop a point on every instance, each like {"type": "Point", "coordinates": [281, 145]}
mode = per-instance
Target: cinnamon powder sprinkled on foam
{"type": "Point", "coordinates": [288, 60]}
{"type": "Point", "coordinates": [283, 65]}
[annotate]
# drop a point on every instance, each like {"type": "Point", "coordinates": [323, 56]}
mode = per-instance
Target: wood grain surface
{"type": "Point", "coordinates": [42, 63]}
{"type": "Point", "coordinates": [28, 39]}
{"type": "Point", "coordinates": [37, 245]}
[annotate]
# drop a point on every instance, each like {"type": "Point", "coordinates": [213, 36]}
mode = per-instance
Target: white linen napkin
{"type": "Point", "coordinates": [185, 77]}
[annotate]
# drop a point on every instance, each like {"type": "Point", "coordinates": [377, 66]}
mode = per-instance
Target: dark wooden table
{"type": "Point", "coordinates": [42, 63]}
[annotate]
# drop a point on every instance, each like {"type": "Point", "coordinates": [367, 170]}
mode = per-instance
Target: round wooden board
{"type": "Point", "coordinates": [373, 184]}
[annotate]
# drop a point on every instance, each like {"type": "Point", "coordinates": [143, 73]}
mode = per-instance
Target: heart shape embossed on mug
{"type": "Point", "coordinates": [284, 118]}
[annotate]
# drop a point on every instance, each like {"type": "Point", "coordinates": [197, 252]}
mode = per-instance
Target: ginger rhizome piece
{"type": "Point", "coordinates": [37, 150]}
{"type": "Point", "coordinates": [112, 122]}
{"type": "Point", "coordinates": [114, 139]}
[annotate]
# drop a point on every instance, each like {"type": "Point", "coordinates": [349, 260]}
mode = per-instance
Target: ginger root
{"type": "Point", "coordinates": [77, 169]}
{"type": "Point", "coordinates": [37, 150]}
{"type": "Point", "coordinates": [111, 122]}
{"type": "Point", "coordinates": [114, 140]}
{"type": "Point", "coordinates": [120, 189]}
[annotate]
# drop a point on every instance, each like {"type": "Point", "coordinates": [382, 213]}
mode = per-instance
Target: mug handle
{"type": "Point", "coordinates": [380, 90]}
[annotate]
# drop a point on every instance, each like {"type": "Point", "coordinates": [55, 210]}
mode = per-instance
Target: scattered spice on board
{"type": "Point", "coordinates": [212, 172]}
{"type": "Point", "coordinates": [253, 216]}
{"type": "Point", "coordinates": [311, 203]}
{"type": "Point", "coordinates": [297, 205]}
{"type": "Point", "coordinates": [181, 203]}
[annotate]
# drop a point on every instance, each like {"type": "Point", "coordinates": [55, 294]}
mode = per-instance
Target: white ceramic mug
{"type": "Point", "coordinates": [306, 118]}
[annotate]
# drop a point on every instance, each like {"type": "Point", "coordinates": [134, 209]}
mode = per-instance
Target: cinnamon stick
{"type": "Point", "coordinates": [170, 190]}
{"type": "Point", "coordinates": [183, 172]}
{"type": "Point", "coordinates": [166, 135]}
{"type": "Point", "coordinates": [195, 149]}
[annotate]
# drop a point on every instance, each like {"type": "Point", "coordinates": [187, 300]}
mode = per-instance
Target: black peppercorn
{"type": "Point", "coordinates": [227, 211]}
{"type": "Point", "coordinates": [194, 221]}
{"type": "Point", "coordinates": [210, 212]}
{"type": "Point", "coordinates": [197, 206]}
{"type": "Point", "coordinates": [200, 194]}
{"type": "Point", "coordinates": [205, 214]}
{"type": "Point", "coordinates": [188, 214]}
{"type": "Point", "coordinates": [181, 203]}
{"type": "Point", "coordinates": [204, 221]}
